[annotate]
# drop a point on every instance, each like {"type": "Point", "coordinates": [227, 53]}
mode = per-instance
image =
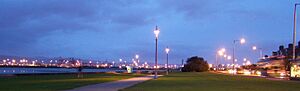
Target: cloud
{"type": "Point", "coordinates": [23, 23]}
{"type": "Point", "coordinates": [105, 28]}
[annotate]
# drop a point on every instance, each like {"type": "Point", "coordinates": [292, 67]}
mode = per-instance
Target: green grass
{"type": "Point", "coordinates": [55, 82]}
{"type": "Point", "coordinates": [213, 82]}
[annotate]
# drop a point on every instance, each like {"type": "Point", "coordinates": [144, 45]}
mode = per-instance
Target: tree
{"type": "Point", "coordinates": [195, 64]}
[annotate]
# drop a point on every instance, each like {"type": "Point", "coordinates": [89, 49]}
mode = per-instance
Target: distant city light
{"type": "Point", "coordinates": [137, 56]}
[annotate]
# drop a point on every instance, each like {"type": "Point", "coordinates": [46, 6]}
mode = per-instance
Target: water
{"type": "Point", "coordinates": [7, 71]}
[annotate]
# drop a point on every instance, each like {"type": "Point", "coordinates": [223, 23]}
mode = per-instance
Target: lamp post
{"type": "Point", "coordinates": [156, 32]}
{"type": "Point", "coordinates": [294, 31]}
{"type": "Point", "coordinates": [167, 52]}
{"type": "Point", "coordinates": [137, 60]}
{"type": "Point", "coordinates": [242, 41]}
{"type": "Point", "coordinates": [260, 51]}
{"type": "Point", "coordinates": [221, 53]}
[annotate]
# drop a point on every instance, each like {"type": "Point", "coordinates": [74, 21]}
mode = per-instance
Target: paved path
{"type": "Point", "coordinates": [113, 86]}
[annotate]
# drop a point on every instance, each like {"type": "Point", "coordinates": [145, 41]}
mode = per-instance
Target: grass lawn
{"type": "Point", "coordinates": [55, 82]}
{"type": "Point", "coordinates": [213, 82]}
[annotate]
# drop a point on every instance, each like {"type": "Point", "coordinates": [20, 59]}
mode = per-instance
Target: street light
{"type": "Point", "coordinates": [221, 53]}
{"type": "Point", "coordinates": [242, 41]}
{"type": "Point", "coordinates": [294, 31]}
{"type": "Point", "coordinates": [223, 50]}
{"type": "Point", "coordinates": [245, 59]}
{"type": "Point", "coordinates": [167, 52]}
{"type": "Point", "coordinates": [156, 32]}
{"type": "Point", "coordinates": [228, 57]}
{"type": "Point", "coordinates": [225, 55]}
{"type": "Point", "coordinates": [137, 56]}
{"type": "Point", "coordinates": [254, 48]}
{"type": "Point", "coordinates": [260, 51]}
{"type": "Point", "coordinates": [136, 60]}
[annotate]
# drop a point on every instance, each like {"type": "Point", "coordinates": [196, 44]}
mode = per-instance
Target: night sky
{"type": "Point", "coordinates": [113, 29]}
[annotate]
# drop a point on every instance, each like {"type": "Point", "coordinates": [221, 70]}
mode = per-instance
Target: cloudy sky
{"type": "Point", "coordinates": [113, 29]}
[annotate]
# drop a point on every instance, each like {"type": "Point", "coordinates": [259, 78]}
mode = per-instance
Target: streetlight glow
{"type": "Point", "coordinates": [167, 50]}
{"type": "Point", "coordinates": [243, 41]}
{"type": "Point", "coordinates": [245, 59]}
{"type": "Point", "coordinates": [223, 49]}
{"type": "Point", "coordinates": [221, 53]}
{"type": "Point", "coordinates": [156, 32]}
{"type": "Point", "coordinates": [228, 57]}
{"type": "Point", "coordinates": [254, 48]}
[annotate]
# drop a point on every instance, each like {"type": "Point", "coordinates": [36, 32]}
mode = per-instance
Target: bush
{"type": "Point", "coordinates": [195, 64]}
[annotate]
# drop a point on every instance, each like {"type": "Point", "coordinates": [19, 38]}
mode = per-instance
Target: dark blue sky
{"type": "Point", "coordinates": [113, 29]}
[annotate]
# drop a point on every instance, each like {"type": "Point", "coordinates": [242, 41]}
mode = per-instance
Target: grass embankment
{"type": "Point", "coordinates": [55, 82]}
{"type": "Point", "coordinates": [213, 82]}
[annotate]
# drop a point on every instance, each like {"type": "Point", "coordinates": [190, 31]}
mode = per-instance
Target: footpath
{"type": "Point", "coordinates": [113, 86]}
